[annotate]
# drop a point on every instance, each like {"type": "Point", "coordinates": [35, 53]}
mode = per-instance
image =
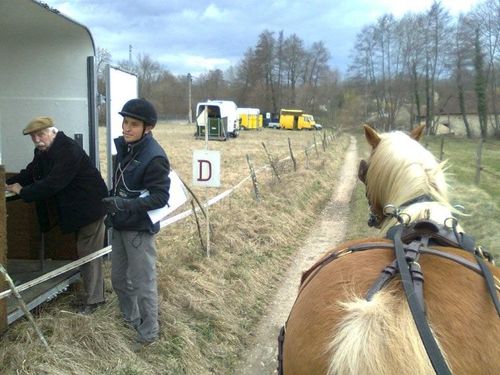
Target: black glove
{"type": "Point", "coordinates": [115, 204]}
{"type": "Point", "coordinates": [108, 222]}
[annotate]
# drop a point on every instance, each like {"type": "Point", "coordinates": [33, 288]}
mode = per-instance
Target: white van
{"type": "Point", "coordinates": [222, 116]}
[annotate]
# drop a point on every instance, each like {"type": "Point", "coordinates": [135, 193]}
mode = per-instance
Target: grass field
{"type": "Point", "coordinates": [208, 306]}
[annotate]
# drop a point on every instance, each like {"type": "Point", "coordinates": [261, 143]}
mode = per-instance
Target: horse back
{"type": "Point", "coordinates": [458, 307]}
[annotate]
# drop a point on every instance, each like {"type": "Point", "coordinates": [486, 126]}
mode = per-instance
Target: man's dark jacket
{"type": "Point", "coordinates": [63, 179]}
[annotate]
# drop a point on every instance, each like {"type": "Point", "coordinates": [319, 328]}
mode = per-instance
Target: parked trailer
{"type": "Point", "coordinates": [271, 118]}
{"type": "Point", "coordinates": [222, 117]}
{"type": "Point", "coordinates": [47, 67]}
{"type": "Point", "coordinates": [296, 119]}
{"type": "Point", "coordinates": [250, 118]}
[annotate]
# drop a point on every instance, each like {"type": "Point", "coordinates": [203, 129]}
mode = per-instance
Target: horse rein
{"type": "Point", "coordinates": [408, 243]}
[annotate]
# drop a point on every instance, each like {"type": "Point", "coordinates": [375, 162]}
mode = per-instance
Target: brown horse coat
{"type": "Point", "coordinates": [459, 310]}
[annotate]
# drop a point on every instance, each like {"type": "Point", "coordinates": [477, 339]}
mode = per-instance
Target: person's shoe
{"type": "Point", "coordinates": [89, 308]}
{"type": "Point", "coordinates": [140, 344]}
{"type": "Point", "coordinates": [131, 324]}
{"type": "Point", "coordinates": [77, 303]}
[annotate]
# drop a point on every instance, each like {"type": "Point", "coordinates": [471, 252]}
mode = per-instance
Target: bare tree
{"type": "Point", "coordinates": [411, 26]}
{"type": "Point", "coordinates": [265, 58]}
{"type": "Point", "coordinates": [315, 71]}
{"type": "Point", "coordinates": [149, 72]}
{"type": "Point", "coordinates": [436, 37]}
{"type": "Point", "coordinates": [211, 85]}
{"type": "Point", "coordinates": [463, 57]}
{"type": "Point", "coordinates": [482, 109]}
{"type": "Point", "coordinates": [103, 57]}
{"type": "Point", "coordinates": [486, 17]}
{"type": "Point", "coordinates": [293, 63]}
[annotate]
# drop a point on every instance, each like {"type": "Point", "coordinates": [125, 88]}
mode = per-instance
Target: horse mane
{"type": "Point", "coordinates": [401, 169]}
{"type": "Point", "coordinates": [376, 337]}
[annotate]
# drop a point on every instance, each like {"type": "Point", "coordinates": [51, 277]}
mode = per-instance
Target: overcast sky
{"type": "Point", "coordinates": [198, 35]}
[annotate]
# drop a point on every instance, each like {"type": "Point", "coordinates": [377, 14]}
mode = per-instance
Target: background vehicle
{"type": "Point", "coordinates": [250, 118]}
{"type": "Point", "coordinates": [223, 119]}
{"type": "Point", "coordinates": [296, 119]}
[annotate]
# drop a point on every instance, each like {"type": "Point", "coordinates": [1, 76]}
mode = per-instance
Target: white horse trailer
{"type": "Point", "coordinates": [47, 68]}
{"type": "Point", "coordinates": [222, 117]}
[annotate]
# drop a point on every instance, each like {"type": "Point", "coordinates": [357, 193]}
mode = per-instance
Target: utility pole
{"type": "Point", "coordinates": [190, 114]}
{"type": "Point", "coordinates": [130, 56]}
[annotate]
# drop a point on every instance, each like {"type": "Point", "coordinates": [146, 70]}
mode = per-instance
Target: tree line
{"type": "Point", "coordinates": [423, 60]}
{"type": "Point", "coordinates": [278, 72]}
{"type": "Point", "coordinates": [417, 62]}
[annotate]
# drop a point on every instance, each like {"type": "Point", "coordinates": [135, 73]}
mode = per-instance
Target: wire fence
{"type": "Point", "coordinates": [327, 138]}
{"type": "Point", "coordinates": [479, 166]}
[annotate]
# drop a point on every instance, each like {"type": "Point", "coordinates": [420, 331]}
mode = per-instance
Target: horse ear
{"type": "Point", "coordinates": [371, 136]}
{"type": "Point", "coordinates": [417, 133]}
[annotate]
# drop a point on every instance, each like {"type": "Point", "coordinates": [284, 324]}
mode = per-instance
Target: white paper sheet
{"type": "Point", "coordinates": [177, 198]}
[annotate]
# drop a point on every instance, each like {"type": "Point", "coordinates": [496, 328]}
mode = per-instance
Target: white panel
{"type": "Point", "coordinates": [206, 168]}
{"type": "Point", "coordinates": [43, 72]}
{"type": "Point", "coordinates": [121, 86]}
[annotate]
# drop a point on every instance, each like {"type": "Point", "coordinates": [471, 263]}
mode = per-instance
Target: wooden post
{"type": "Point", "coordinates": [23, 306]}
{"type": "Point", "coordinates": [198, 226]}
{"type": "Point", "coordinates": [3, 251]}
{"type": "Point", "coordinates": [441, 150]}
{"type": "Point", "coordinates": [315, 145]}
{"type": "Point", "coordinates": [307, 158]}
{"type": "Point", "coordinates": [271, 161]}
{"type": "Point", "coordinates": [254, 179]}
{"type": "Point", "coordinates": [291, 156]}
{"type": "Point", "coordinates": [324, 142]}
{"type": "Point", "coordinates": [479, 153]}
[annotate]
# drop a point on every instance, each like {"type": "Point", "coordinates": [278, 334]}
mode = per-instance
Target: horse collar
{"type": "Point", "coordinates": [419, 199]}
{"type": "Point", "coordinates": [375, 221]}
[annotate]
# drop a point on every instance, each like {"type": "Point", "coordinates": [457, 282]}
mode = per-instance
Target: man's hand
{"type": "Point", "coordinates": [115, 204]}
{"type": "Point", "coordinates": [15, 188]}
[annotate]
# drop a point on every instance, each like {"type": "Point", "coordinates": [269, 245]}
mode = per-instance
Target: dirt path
{"type": "Point", "coordinates": [329, 231]}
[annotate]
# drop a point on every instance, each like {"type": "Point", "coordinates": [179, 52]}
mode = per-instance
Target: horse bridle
{"type": "Point", "coordinates": [374, 219]}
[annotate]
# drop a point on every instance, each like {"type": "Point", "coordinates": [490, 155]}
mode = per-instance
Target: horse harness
{"type": "Point", "coordinates": [409, 242]}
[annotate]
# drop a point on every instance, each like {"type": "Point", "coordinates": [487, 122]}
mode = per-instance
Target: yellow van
{"type": "Point", "coordinates": [296, 119]}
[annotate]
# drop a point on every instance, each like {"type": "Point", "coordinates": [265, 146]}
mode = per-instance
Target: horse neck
{"type": "Point", "coordinates": [438, 212]}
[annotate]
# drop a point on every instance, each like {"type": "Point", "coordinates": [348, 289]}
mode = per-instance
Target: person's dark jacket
{"type": "Point", "coordinates": [63, 179]}
{"type": "Point", "coordinates": [141, 177]}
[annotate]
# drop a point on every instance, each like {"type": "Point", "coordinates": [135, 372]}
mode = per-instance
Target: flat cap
{"type": "Point", "coordinates": [37, 124]}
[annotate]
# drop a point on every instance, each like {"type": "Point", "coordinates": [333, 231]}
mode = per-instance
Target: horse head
{"type": "Point", "coordinates": [404, 181]}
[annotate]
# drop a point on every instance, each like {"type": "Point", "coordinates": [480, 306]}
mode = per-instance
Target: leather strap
{"type": "Point", "coordinates": [281, 342]}
{"type": "Point", "coordinates": [490, 282]}
{"type": "Point", "coordinates": [430, 344]}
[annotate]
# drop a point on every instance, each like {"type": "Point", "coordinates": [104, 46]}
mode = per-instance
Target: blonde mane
{"type": "Point", "coordinates": [401, 169]}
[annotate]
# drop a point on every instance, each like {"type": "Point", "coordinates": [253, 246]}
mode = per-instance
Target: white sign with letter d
{"type": "Point", "coordinates": [206, 168]}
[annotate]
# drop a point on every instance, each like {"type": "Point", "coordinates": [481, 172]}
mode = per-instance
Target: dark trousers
{"type": "Point", "coordinates": [89, 239]}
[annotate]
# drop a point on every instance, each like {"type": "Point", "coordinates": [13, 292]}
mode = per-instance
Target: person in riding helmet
{"type": "Point", "coordinates": [141, 183]}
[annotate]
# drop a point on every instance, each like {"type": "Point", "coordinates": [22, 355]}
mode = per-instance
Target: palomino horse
{"type": "Point", "coordinates": [352, 318]}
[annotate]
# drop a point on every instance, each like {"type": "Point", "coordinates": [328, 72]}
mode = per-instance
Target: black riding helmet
{"type": "Point", "coordinates": [140, 109]}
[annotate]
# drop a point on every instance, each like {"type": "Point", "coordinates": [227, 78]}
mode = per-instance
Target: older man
{"type": "Point", "coordinates": [62, 179]}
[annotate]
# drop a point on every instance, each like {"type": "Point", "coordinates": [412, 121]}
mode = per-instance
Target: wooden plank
{"type": "Point", "coordinates": [59, 271]}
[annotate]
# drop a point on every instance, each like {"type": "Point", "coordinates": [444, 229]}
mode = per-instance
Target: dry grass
{"type": "Point", "coordinates": [208, 306]}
